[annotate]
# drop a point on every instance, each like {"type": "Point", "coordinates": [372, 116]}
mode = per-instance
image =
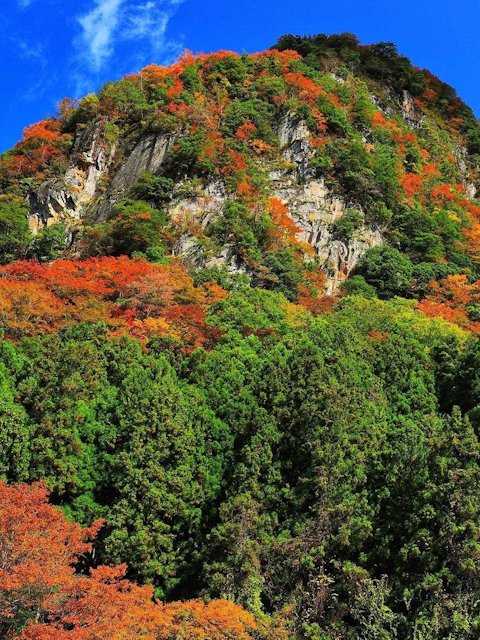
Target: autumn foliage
{"type": "Point", "coordinates": [197, 620]}
{"type": "Point", "coordinates": [450, 299]}
{"type": "Point", "coordinates": [42, 144]}
{"type": "Point", "coordinates": [232, 412]}
{"type": "Point", "coordinates": [43, 597]}
{"type": "Point", "coordinates": [412, 184]}
{"type": "Point", "coordinates": [130, 296]}
{"type": "Point", "coordinates": [45, 130]}
{"type": "Point", "coordinates": [228, 108]}
{"type": "Point", "coordinates": [284, 224]}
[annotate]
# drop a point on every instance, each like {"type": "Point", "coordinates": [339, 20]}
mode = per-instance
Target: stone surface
{"type": "Point", "coordinates": [294, 139]}
{"type": "Point", "coordinates": [147, 155]}
{"type": "Point", "coordinates": [461, 156]}
{"type": "Point", "coordinates": [310, 203]}
{"type": "Point", "coordinates": [200, 208]}
{"type": "Point", "coordinates": [65, 200]}
{"type": "Point", "coordinates": [196, 213]}
{"type": "Point", "coordinates": [315, 210]}
{"type": "Point", "coordinates": [410, 113]}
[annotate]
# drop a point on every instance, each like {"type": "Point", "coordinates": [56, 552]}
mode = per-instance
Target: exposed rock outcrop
{"type": "Point", "coordinates": [311, 205]}
{"type": "Point", "coordinates": [65, 200]}
{"type": "Point", "coordinates": [294, 136]}
{"type": "Point", "coordinates": [315, 210]}
{"type": "Point", "coordinates": [200, 208]}
{"type": "Point", "coordinates": [461, 156]}
{"type": "Point", "coordinates": [411, 114]}
{"type": "Point", "coordinates": [147, 155]}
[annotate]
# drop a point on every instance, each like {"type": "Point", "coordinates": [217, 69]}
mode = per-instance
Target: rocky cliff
{"type": "Point", "coordinates": [326, 159]}
{"type": "Point", "coordinates": [82, 194]}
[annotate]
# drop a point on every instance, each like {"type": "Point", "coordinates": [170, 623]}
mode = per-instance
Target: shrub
{"type": "Point", "coordinates": [240, 228]}
{"type": "Point", "coordinates": [357, 285]}
{"type": "Point", "coordinates": [152, 188]}
{"type": "Point", "coordinates": [388, 270]}
{"type": "Point", "coordinates": [286, 272]}
{"type": "Point", "coordinates": [257, 111]}
{"type": "Point", "coordinates": [186, 158]}
{"type": "Point", "coordinates": [50, 242]}
{"type": "Point", "coordinates": [15, 235]}
{"type": "Point", "coordinates": [344, 228]}
{"type": "Point", "coordinates": [135, 226]}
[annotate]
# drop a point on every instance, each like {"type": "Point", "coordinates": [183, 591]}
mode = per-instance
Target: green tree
{"type": "Point", "coordinates": [388, 270]}
{"type": "Point", "coordinates": [15, 235]}
{"type": "Point", "coordinates": [49, 243]}
{"type": "Point", "coordinates": [15, 431]}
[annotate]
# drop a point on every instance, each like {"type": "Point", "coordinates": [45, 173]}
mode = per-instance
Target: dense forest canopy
{"type": "Point", "coordinates": [225, 414]}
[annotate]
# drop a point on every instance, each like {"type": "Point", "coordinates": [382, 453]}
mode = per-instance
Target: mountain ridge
{"type": "Point", "coordinates": [161, 102]}
{"type": "Point", "coordinates": [240, 306]}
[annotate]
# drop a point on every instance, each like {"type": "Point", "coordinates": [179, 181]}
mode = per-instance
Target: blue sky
{"type": "Point", "coordinates": [55, 48]}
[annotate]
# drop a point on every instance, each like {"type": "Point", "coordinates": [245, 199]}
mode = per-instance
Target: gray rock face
{"type": "Point", "coordinates": [471, 190]}
{"type": "Point", "coordinates": [147, 155]}
{"type": "Point", "coordinates": [50, 204]}
{"type": "Point", "coordinates": [294, 136]}
{"type": "Point", "coordinates": [461, 156]}
{"type": "Point", "coordinates": [191, 251]}
{"type": "Point", "coordinates": [410, 113]}
{"type": "Point", "coordinates": [199, 211]}
{"type": "Point", "coordinates": [65, 200]}
{"type": "Point", "coordinates": [312, 207]}
{"type": "Point", "coordinates": [189, 248]}
{"type": "Point", "coordinates": [315, 210]}
{"type": "Point", "coordinates": [201, 208]}
{"type": "Point", "coordinates": [310, 204]}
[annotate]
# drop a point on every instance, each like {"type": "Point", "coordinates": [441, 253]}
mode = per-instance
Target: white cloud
{"type": "Point", "coordinates": [99, 27]}
{"type": "Point", "coordinates": [32, 51]}
{"type": "Point", "coordinates": [111, 23]}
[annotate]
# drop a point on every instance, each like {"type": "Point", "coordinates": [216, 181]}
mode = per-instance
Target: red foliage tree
{"type": "Point", "coordinates": [412, 184]}
{"type": "Point", "coordinates": [285, 227]}
{"type": "Point", "coordinates": [46, 130]}
{"type": "Point", "coordinates": [196, 620]}
{"type": "Point", "coordinates": [449, 298]}
{"type": "Point", "coordinates": [38, 548]}
{"type": "Point", "coordinates": [42, 597]}
{"type": "Point", "coordinates": [133, 296]}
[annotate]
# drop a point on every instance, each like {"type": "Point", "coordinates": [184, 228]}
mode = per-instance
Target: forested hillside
{"type": "Point", "coordinates": [240, 371]}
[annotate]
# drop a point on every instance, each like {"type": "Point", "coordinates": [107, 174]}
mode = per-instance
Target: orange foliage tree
{"type": "Point", "coordinates": [412, 184]}
{"type": "Point", "coordinates": [285, 227]}
{"type": "Point", "coordinates": [472, 236]}
{"type": "Point", "coordinates": [29, 308]}
{"type": "Point", "coordinates": [42, 143]}
{"type": "Point", "coordinates": [197, 620]}
{"type": "Point", "coordinates": [129, 295]}
{"type": "Point", "coordinates": [38, 548]}
{"type": "Point", "coordinates": [449, 298]}
{"type": "Point", "coordinates": [46, 130]}
{"type": "Point", "coordinates": [311, 293]}
{"type": "Point", "coordinates": [42, 597]}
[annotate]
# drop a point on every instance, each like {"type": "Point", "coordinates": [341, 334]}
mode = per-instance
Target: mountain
{"type": "Point", "coordinates": [278, 164]}
{"type": "Point", "coordinates": [240, 299]}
